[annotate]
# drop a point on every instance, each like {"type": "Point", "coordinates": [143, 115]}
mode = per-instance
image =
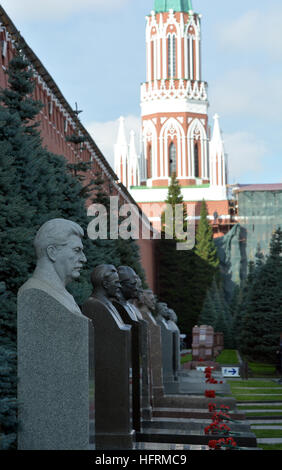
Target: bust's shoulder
{"type": "Point", "coordinates": [95, 303]}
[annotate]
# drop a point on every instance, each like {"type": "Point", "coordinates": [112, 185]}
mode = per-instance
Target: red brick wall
{"type": "Point", "coordinates": [52, 127]}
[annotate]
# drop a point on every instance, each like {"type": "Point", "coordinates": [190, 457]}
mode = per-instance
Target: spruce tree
{"type": "Point", "coordinates": [205, 247]}
{"type": "Point", "coordinates": [177, 268]}
{"type": "Point", "coordinates": [35, 186]}
{"type": "Point", "coordinates": [223, 320]}
{"type": "Point", "coordinates": [208, 315]}
{"type": "Point", "coordinates": [174, 199]}
{"type": "Point", "coordinates": [206, 259]}
{"type": "Point", "coordinates": [262, 322]}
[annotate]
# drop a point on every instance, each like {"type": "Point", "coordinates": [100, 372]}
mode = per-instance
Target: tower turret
{"type": "Point", "coordinates": [175, 134]}
{"type": "Point", "coordinates": [134, 170]}
{"type": "Point", "coordinates": [121, 154]}
{"type": "Point", "coordinates": [174, 101]}
{"type": "Point", "coordinates": [218, 167]}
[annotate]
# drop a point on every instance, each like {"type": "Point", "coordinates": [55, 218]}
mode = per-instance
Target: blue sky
{"type": "Point", "coordinates": [95, 51]}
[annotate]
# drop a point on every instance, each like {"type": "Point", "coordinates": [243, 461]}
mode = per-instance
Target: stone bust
{"type": "Point", "coordinates": [173, 316]}
{"type": "Point", "coordinates": [129, 283]}
{"type": "Point", "coordinates": [60, 258]}
{"type": "Point", "coordinates": [106, 283]}
{"type": "Point", "coordinates": [162, 311]}
{"type": "Point", "coordinates": [130, 291]}
{"type": "Point", "coordinates": [149, 300]}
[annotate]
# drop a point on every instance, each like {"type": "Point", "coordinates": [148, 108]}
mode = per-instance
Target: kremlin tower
{"type": "Point", "coordinates": [175, 129]}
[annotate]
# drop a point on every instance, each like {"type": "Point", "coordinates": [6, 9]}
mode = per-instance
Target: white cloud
{"type": "Point", "coordinates": [105, 134]}
{"type": "Point", "coordinates": [246, 155]}
{"type": "Point", "coordinates": [32, 10]}
{"type": "Point", "coordinates": [246, 91]}
{"type": "Point", "coordinates": [257, 30]}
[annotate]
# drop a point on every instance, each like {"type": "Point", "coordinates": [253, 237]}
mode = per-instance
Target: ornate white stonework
{"type": "Point", "coordinates": [170, 89]}
{"type": "Point", "coordinates": [175, 134]}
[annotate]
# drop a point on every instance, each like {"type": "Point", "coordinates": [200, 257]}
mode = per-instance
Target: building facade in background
{"type": "Point", "coordinates": [175, 132]}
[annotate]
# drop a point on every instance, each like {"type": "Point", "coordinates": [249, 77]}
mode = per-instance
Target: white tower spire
{"type": "Point", "coordinates": [217, 156]}
{"type": "Point", "coordinates": [134, 171]}
{"type": "Point", "coordinates": [121, 154]}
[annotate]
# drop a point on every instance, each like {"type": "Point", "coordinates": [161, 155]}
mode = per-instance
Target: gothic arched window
{"type": "Point", "coordinates": [149, 162]}
{"type": "Point", "coordinates": [196, 160]}
{"type": "Point", "coordinates": [172, 159]}
{"type": "Point", "coordinates": [171, 56]}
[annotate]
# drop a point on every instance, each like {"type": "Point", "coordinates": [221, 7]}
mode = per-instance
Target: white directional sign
{"type": "Point", "coordinates": [231, 371]}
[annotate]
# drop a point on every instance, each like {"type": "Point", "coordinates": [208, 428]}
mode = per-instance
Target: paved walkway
{"type": "Point", "coordinates": [272, 440]}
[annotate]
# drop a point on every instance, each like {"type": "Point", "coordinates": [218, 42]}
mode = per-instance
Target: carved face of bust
{"type": "Point", "coordinates": [173, 316]}
{"type": "Point", "coordinates": [129, 284]}
{"type": "Point", "coordinates": [68, 259]}
{"type": "Point", "coordinates": [112, 283]}
{"type": "Point", "coordinates": [150, 299]}
{"type": "Point", "coordinates": [163, 310]}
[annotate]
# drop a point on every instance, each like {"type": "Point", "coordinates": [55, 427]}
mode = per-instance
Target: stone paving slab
{"type": "Point", "coordinates": [194, 413]}
{"type": "Point", "coordinates": [247, 439]}
{"type": "Point", "coordinates": [193, 401]}
{"type": "Point", "coordinates": [191, 425]}
{"type": "Point", "coordinates": [272, 440]}
{"type": "Point", "coordinates": [167, 446]}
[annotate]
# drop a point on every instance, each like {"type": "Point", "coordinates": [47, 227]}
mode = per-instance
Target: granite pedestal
{"type": "Point", "coordinates": [53, 373]}
{"type": "Point", "coordinates": [129, 317]}
{"type": "Point", "coordinates": [169, 381]}
{"type": "Point", "coordinates": [112, 346]}
{"type": "Point", "coordinates": [155, 354]}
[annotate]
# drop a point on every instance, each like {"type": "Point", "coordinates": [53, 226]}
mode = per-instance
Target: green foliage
{"type": "Point", "coordinates": [216, 313]}
{"type": "Point", "coordinates": [178, 284]}
{"type": "Point", "coordinates": [262, 320]}
{"type": "Point", "coordinates": [8, 406]}
{"type": "Point", "coordinates": [169, 220]}
{"type": "Point", "coordinates": [185, 277]}
{"type": "Point", "coordinates": [228, 356]}
{"type": "Point", "coordinates": [208, 314]}
{"type": "Point", "coordinates": [35, 186]}
{"type": "Point", "coordinates": [205, 247]}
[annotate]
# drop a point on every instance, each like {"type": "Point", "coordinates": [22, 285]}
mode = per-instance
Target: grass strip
{"type": "Point", "coordinates": [260, 407]}
{"type": "Point", "coordinates": [254, 383]}
{"type": "Point", "coordinates": [257, 391]}
{"type": "Point", "coordinates": [270, 446]}
{"type": "Point", "coordinates": [267, 433]}
{"type": "Point", "coordinates": [228, 356]}
{"type": "Point", "coordinates": [185, 358]}
{"type": "Point", "coordinates": [278, 423]}
{"type": "Point", "coordinates": [262, 415]}
{"type": "Point", "coordinates": [262, 370]}
{"type": "Point", "coordinates": [260, 398]}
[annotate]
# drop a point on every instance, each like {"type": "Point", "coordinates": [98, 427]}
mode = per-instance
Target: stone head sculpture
{"type": "Point", "coordinates": [162, 310]}
{"type": "Point", "coordinates": [105, 281]}
{"type": "Point", "coordinates": [129, 282]}
{"type": "Point", "coordinates": [149, 299]}
{"type": "Point", "coordinates": [59, 250]}
{"type": "Point", "coordinates": [173, 315]}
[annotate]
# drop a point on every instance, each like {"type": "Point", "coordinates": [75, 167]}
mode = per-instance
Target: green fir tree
{"type": "Point", "coordinates": [205, 247]}
{"type": "Point", "coordinates": [35, 186]}
{"type": "Point", "coordinates": [262, 322]}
